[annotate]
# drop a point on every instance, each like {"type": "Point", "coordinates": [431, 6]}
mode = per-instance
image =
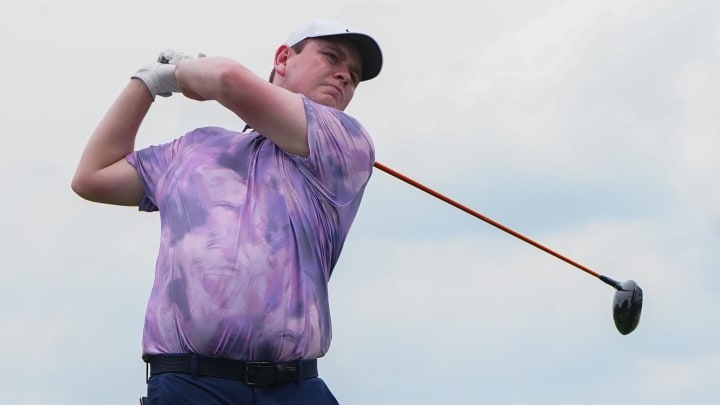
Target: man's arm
{"type": "Point", "coordinates": [276, 113]}
{"type": "Point", "coordinates": [103, 175]}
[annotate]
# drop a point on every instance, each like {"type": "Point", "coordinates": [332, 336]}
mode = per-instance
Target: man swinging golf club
{"type": "Point", "coordinates": [252, 224]}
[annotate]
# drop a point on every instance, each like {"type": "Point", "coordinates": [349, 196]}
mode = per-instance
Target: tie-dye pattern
{"type": "Point", "coordinates": [249, 237]}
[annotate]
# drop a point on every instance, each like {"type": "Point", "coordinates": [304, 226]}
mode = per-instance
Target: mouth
{"type": "Point", "coordinates": [336, 90]}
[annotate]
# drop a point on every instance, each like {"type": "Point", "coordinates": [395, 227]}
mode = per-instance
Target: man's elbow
{"type": "Point", "coordinates": [101, 188]}
{"type": "Point", "coordinates": [81, 185]}
{"type": "Point", "coordinates": [91, 187]}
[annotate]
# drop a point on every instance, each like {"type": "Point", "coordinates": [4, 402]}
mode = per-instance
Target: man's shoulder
{"type": "Point", "coordinates": [324, 112]}
{"type": "Point", "coordinates": [209, 135]}
{"type": "Point", "coordinates": [212, 130]}
{"type": "Point", "coordinates": [314, 105]}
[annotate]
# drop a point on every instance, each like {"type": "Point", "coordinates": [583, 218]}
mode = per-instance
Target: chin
{"type": "Point", "coordinates": [327, 100]}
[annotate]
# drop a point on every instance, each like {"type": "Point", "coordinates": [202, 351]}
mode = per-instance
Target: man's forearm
{"type": "Point", "coordinates": [275, 112]}
{"type": "Point", "coordinates": [101, 175]}
{"type": "Point", "coordinates": [114, 136]}
{"type": "Point", "coordinates": [201, 78]}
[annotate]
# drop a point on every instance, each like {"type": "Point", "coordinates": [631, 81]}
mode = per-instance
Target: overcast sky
{"type": "Point", "coordinates": [591, 126]}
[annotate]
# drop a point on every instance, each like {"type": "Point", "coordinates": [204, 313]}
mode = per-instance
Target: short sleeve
{"type": "Point", "coordinates": [152, 164]}
{"type": "Point", "coordinates": [341, 153]}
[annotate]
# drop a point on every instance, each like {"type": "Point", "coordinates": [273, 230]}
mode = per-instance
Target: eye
{"type": "Point", "coordinates": [332, 57]}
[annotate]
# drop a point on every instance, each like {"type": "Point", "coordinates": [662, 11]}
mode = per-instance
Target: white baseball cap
{"type": "Point", "coordinates": [365, 44]}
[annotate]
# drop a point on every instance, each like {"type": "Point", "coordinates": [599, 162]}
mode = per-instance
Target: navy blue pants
{"type": "Point", "coordinates": [184, 389]}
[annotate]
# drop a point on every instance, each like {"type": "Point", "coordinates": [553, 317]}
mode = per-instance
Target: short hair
{"type": "Point", "coordinates": [297, 48]}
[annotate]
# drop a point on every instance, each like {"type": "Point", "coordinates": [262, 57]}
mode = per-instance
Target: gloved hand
{"type": "Point", "coordinates": [172, 56]}
{"type": "Point", "coordinates": [159, 77]}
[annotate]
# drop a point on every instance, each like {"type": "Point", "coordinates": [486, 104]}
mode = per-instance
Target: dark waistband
{"type": "Point", "coordinates": [257, 373]}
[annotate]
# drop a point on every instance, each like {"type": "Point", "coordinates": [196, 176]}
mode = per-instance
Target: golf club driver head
{"type": "Point", "coordinates": [627, 305]}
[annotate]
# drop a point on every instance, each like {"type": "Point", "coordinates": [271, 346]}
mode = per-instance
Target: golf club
{"type": "Point", "coordinates": [628, 299]}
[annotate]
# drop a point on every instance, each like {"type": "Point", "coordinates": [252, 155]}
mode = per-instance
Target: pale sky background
{"type": "Point", "coordinates": [592, 126]}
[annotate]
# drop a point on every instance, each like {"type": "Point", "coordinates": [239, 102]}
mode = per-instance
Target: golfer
{"type": "Point", "coordinates": [252, 222]}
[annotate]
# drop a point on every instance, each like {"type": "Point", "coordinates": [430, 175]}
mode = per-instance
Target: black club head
{"type": "Point", "coordinates": [627, 306]}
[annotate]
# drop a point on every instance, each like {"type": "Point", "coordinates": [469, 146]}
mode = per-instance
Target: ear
{"type": "Point", "coordinates": [281, 58]}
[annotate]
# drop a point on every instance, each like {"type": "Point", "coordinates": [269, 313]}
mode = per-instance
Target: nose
{"type": "Point", "coordinates": [343, 73]}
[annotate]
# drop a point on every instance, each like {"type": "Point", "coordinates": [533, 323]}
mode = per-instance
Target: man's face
{"type": "Point", "coordinates": [326, 71]}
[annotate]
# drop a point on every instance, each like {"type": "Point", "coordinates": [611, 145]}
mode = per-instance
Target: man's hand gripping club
{"type": "Point", "coordinates": [159, 77]}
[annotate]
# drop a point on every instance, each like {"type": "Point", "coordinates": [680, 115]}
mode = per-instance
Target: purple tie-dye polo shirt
{"type": "Point", "coordinates": [249, 237]}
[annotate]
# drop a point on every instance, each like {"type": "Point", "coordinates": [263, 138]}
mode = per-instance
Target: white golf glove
{"type": "Point", "coordinates": [159, 77]}
{"type": "Point", "coordinates": [172, 56]}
